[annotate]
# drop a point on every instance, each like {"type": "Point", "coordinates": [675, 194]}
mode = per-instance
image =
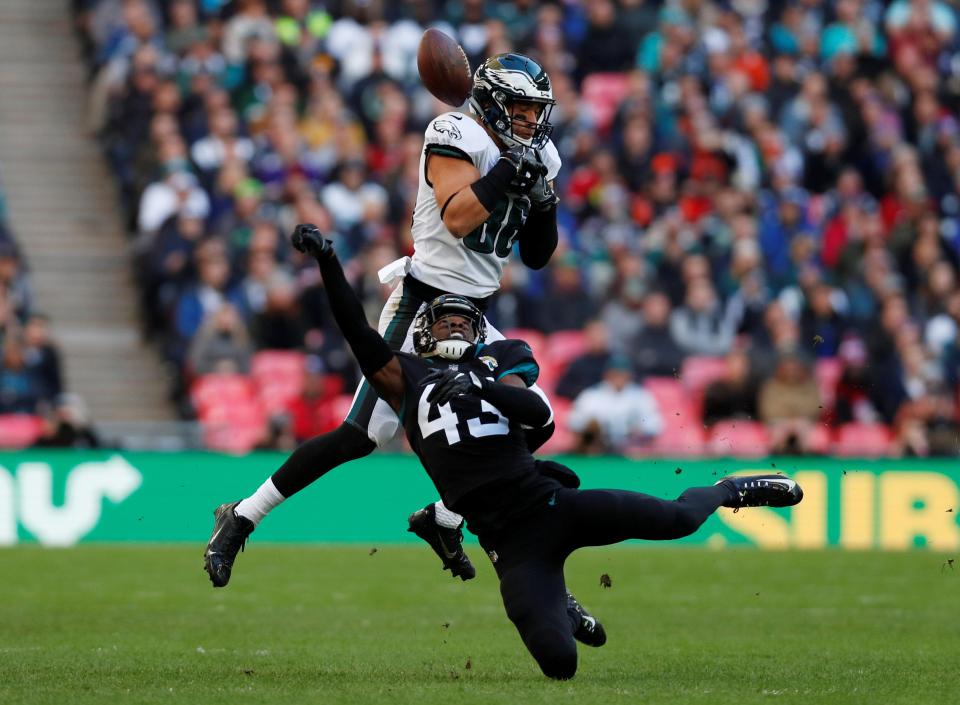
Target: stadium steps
{"type": "Point", "coordinates": [64, 211]}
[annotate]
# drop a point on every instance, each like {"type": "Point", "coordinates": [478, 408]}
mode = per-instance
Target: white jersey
{"type": "Point", "coordinates": [473, 265]}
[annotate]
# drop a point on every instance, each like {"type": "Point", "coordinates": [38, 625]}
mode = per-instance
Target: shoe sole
{"type": "Point", "coordinates": [217, 581]}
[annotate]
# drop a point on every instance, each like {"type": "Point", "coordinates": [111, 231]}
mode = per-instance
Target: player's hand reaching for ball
{"type": "Point", "coordinates": [308, 239]}
{"type": "Point", "coordinates": [528, 169]}
{"type": "Point", "coordinates": [449, 384]}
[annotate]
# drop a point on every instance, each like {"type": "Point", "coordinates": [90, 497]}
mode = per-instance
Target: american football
{"type": "Point", "coordinates": [444, 68]}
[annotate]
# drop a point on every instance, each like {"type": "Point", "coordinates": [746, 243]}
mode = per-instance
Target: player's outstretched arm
{"type": "Point", "coordinates": [377, 362]}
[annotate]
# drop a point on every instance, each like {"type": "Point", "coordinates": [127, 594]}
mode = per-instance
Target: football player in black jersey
{"type": "Point", "coordinates": [463, 405]}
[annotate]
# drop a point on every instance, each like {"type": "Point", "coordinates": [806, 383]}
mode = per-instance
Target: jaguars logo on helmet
{"type": "Point", "coordinates": [424, 342]}
{"type": "Point", "coordinates": [505, 78]}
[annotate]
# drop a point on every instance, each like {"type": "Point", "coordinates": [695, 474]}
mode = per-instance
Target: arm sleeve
{"type": "Point", "coordinates": [539, 238]}
{"type": "Point", "coordinates": [528, 407]}
{"type": "Point", "coordinates": [523, 406]}
{"type": "Point", "coordinates": [370, 349]}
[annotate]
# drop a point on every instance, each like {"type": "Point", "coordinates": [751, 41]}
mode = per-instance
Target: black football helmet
{"type": "Point", "coordinates": [504, 78]}
{"type": "Point", "coordinates": [424, 342]}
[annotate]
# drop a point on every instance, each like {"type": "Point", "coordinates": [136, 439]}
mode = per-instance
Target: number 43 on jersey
{"type": "Point", "coordinates": [448, 421]}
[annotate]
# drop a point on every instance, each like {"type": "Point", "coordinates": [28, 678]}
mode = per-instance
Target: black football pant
{"type": "Point", "coordinates": [529, 555]}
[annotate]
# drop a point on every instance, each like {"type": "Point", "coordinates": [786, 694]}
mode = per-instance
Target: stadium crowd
{"type": "Point", "coordinates": [760, 206]}
{"type": "Point", "coordinates": [35, 409]}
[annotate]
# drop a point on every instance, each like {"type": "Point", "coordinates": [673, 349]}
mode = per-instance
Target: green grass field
{"type": "Point", "coordinates": [141, 624]}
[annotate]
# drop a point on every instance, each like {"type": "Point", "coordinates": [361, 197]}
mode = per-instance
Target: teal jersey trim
{"type": "Point", "coordinates": [528, 371]}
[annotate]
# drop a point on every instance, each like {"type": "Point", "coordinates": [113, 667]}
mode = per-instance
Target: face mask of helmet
{"type": "Point", "coordinates": [503, 80]}
{"type": "Point", "coordinates": [425, 343]}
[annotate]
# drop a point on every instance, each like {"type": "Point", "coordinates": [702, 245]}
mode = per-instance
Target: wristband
{"type": "Point", "coordinates": [490, 189]}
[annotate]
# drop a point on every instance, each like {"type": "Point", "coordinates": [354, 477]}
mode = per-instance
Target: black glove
{"type": "Point", "coordinates": [449, 384]}
{"type": "Point", "coordinates": [528, 168]}
{"type": "Point", "coordinates": [542, 196]}
{"type": "Point", "coordinates": [308, 239]}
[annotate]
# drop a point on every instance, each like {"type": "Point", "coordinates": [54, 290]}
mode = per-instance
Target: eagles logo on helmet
{"type": "Point", "coordinates": [503, 79]}
{"type": "Point", "coordinates": [424, 342]}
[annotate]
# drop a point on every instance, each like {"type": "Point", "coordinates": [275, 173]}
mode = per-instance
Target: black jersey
{"type": "Point", "coordinates": [476, 457]}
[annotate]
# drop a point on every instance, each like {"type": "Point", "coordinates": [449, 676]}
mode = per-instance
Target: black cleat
{"type": "Point", "coordinates": [445, 542]}
{"type": "Point", "coordinates": [589, 631]}
{"type": "Point", "coordinates": [761, 491]}
{"type": "Point", "coordinates": [230, 532]}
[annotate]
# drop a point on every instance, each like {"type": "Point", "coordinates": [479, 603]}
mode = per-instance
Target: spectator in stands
{"type": "Point", "coordinates": [312, 412]}
{"type": "Point", "coordinates": [209, 293]}
{"type": "Point", "coordinates": [278, 324]}
{"type": "Point", "coordinates": [167, 266]}
{"type": "Point", "coordinates": [19, 389]}
{"type": "Point", "coordinates": [586, 370]}
{"type": "Point", "coordinates": [178, 190]}
{"type": "Point", "coordinates": [14, 281]}
{"type": "Point", "coordinates": [68, 425]}
{"type": "Point", "coordinates": [822, 324]}
{"type": "Point", "coordinates": [42, 358]}
{"type": "Point", "coordinates": [942, 338]}
{"type": "Point", "coordinates": [701, 326]}
{"type": "Point", "coordinates": [655, 352]}
{"type": "Point", "coordinates": [221, 345]}
{"type": "Point", "coordinates": [622, 313]}
{"type": "Point", "coordinates": [855, 388]}
{"type": "Point", "coordinates": [565, 307]}
{"type": "Point", "coordinates": [789, 404]}
{"type": "Point", "coordinates": [615, 414]}
{"type": "Point", "coordinates": [512, 306]}
{"type": "Point", "coordinates": [222, 144]}
{"type": "Point", "coordinates": [606, 47]}
{"type": "Point", "coordinates": [734, 396]}
{"type": "Point", "coordinates": [353, 200]}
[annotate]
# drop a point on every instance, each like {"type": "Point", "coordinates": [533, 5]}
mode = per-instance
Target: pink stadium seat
{"type": "Point", "coordinates": [700, 370]}
{"type": "Point", "coordinates": [550, 374]}
{"type": "Point", "coordinates": [276, 397]}
{"type": "Point", "coordinates": [862, 440]}
{"type": "Point", "coordinates": [603, 92]}
{"type": "Point", "coordinates": [19, 430]}
{"type": "Point", "coordinates": [286, 364]}
{"type": "Point", "coordinates": [564, 346]}
{"type": "Point", "coordinates": [827, 373]}
{"type": "Point", "coordinates": [237, 412]}
{"type": "Point", "coordinates": [220, 389]}
{"type": "Point", "coordinates": [820, 440]}
{"type": "Point", "coordinates": [674, 402]}
{"type": "Point", "coordinates": [740, 439]}
{"type": "Point", "coordinates": [679, 440]}
{"type": "Point", "coordinates": [534, 338]}
{"type": "Point", "coordinates": [233, 427]}
{"type": "Point", "coordinates": [232, 439]}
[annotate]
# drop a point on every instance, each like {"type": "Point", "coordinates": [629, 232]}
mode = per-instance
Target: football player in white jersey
{"type": "Point", "coordinates": [485, 184]}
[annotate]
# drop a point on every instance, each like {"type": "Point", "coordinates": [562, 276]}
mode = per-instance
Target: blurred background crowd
{"type": "Point", "coordinates": [33, 400]}
{"type": "Point", "coordinates": [760, 210]}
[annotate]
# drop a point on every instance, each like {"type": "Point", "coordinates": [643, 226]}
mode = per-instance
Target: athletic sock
{"type": "Point", "coordinates": [444, 517]}
{"type": "Point", "coordinates": [258, 505]}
